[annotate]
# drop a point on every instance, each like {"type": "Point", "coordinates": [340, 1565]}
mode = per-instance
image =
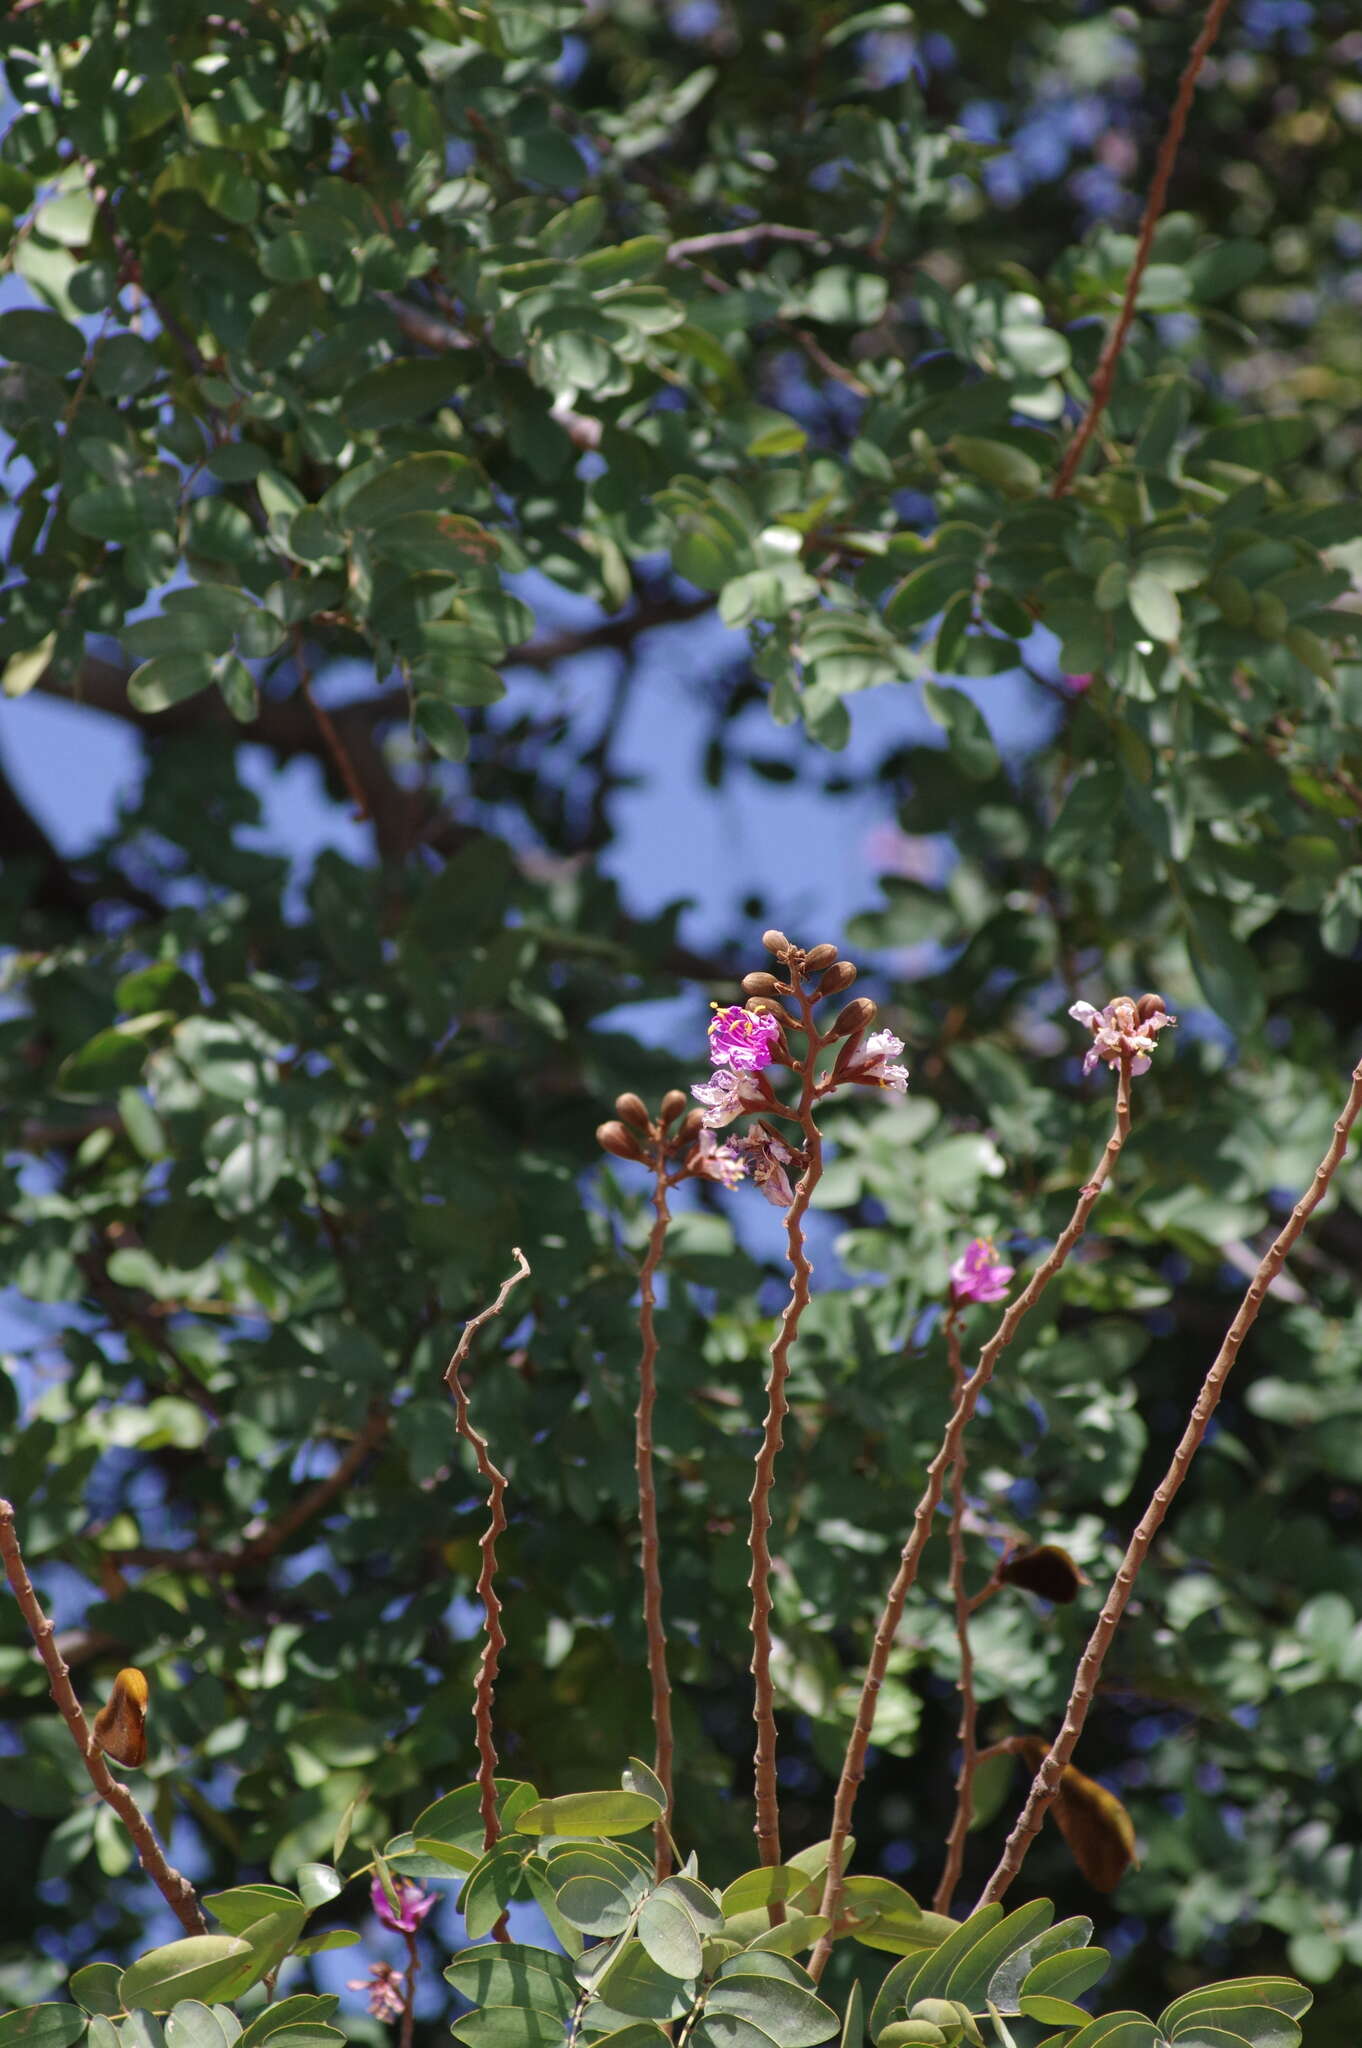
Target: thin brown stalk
{"type": "Point", "coordinates": [176, 1890]}
{"type": "Point", "coordinates": [409, 1990]}
{"type": "Point", "coordinates": [487, 1592]}
{"type": "Point", "coordinates": [1046, 1782]}
{"type": "Point", "coordinates": [772, 1439]}
{"type": "Point", "coordinates": [969, 1706]}
{"type": "Point", "coordinates": [737, 238]}
{"type": "Point", "coordinates": [647, 1518]}
{"type": "Point", "coordinates": [331, 739]}
{"type": "Point", "coordinates": [853, 1764]}
{"type": "Point", "coordinates": [1104, 376]}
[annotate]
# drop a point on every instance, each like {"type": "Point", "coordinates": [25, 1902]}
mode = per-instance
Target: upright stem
{"type": "Point", "coordinates": [491, 1605]}
{"type": "Point", "coordinates": [409, 1990]}
{"type": "Point", "coordinates": [176, 1890]}
{"type": "Point", "coordinates": [853, 1765]}
{"type": "Point", "coordinates": [801, 1272]}
{"type": "Point", "coordinates": [647, 1517]}
{"type": "Point", "coordinates": [1046, 1782]}
{"type": "Point", "coordinates": [969, 1709]}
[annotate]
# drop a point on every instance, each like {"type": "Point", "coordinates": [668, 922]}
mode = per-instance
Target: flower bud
{"type": "Point", "coordinates": [840, 975]}
{"type": "Point", "coordinates": [777, 943]}
{"type": "Point", "coordinates": [761, 984]}
{"type": "Point", "coordinates": [819, 957]}
{"type": "Point", "coordinates": [693, 1125]}
{"type": "Point", "coordinates": [1150, 1006]}
{"type": "Point", "coordinates": [632, 1110]}
{"type": "Point", "coordinates": [673, 1102]}
{"type": "Point", "coordinates": [859, 1015]}
{"type": "Point", "coordinates": [615, 1138]}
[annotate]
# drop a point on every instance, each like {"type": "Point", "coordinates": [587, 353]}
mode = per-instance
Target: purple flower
{"type": "Point", "coordinates": [743, 1039]}
{"type": "Point", "coordinates": [978, 1274]}
{"type": "Point", "coordinates": [384, 1984]}
{"type": "Point", "coordinates": [1076, 685]}
{"type": "Point", "coordinates": [413, 1904]}
{"type": "Point", "coordinates": [729, 1095]}
{"type": "Point", "coordinates": [712, 1161]}
{"type": "Point", "coordinates": [766, 1157]}
{"type": "Point", "coordinates": [1125, 1029]}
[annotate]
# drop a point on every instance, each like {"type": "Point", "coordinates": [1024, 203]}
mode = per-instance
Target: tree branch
{"type": "Point", "coordinates": [176, 1890]}
{"type": "Point", "coordinates": [1105, 375]}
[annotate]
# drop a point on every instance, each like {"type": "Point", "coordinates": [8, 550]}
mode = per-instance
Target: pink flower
{"type": "Point", "coordinates": [387, 1999]}
{"type": "Point", "coordinates": [766, 1157]}
{"type": "Point", "coordinates": [882, 1047]}
{"type": "Point", "coordinates": [729, 1095]}
{"type": "Point", "coordinates": [743, 1039]}
{"type": "Point", "coordinates": [413, 1904]}
{"type": "Point", "coordinates": [978, 1274]}
{"type": "Point", "coordinates": [1076, 685]}
{"type": "Point", "coordinates": [1124, 1029]}
{"type": "Point", "coordinates": [712, 1161]}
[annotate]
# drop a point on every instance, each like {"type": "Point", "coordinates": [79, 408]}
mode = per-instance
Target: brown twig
{"type": "Point", "coordinates": [1105, 375]}
{"type": "Point", "coordinates": [262, 1539]}
{"type": "Point", "coordinates": [491, 1605]}
{"type": "Point", "coordinates": [772, 1439]}
{"type": "Point", "coordinates": [176, 1890]}
{"type": "Point", "coordinates": [1046, 1782]}
{"type": "Point", "coordinates": [647, 1518]}
{"type": "Point", "coordinates": [409, 1989]}
{"type": "Point", "coordinates": [853, 1764]}
{"type": "Point", "coordinates": [331, 739]}
{"type": "Point", "coordinates": [969, 1707]}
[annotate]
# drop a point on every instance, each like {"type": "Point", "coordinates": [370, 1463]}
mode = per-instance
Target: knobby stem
{"type": "Point", "coordinates": [409, 1991]}
{"type": "Point", "coordinates": [176, 1890]}
{"type": "Point", "coordinates": [647, 1517]}
{"type": "Point", "coordinates": [491, 1605]}
{"type": "Point", "coordinates": [853, 1765]}
{"type": "Point", "coordinates": [801, 1272]}
{"type": "Point", "coordinates": [1045, 1784]}
{"type": "Point", "coordinates": [969, 1711]}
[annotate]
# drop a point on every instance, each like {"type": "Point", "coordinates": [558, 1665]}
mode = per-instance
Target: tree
{"type": "Point", "coordinates": [337, 331]}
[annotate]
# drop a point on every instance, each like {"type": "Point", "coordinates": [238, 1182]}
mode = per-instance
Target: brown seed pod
{"type": "Point", "coordinates": [617, 1138]}
{"type": "Point", "coordinates": [819, 957]}
{"type": "Point", "coordinates": [633, 1110]}
{"type": "Point", "coordinates": [840, 975]}
{"type": "Point", "coordinates": [1094, 1823]}
{"type": "Point", "coordinates": [777, 943]}
{"type": "Point", "coordinates": [859, 1014]}
{"type": "Point", "coordinates": [1046, 1569]}
{"type": "Point", "coordinates": [1150, 1006]}
{"type": "Point", "coordinates": [693, 1125]}
{"type": "Point", "coordinates": [762, 984]}
{"type": "Point", "coordinates": [673, 1102]}
{"type": "Point", "coordinates": [121, 1726]}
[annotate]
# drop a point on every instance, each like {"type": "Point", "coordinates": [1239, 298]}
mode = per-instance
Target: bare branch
{"type": "Point", "coordinates": [1046, 1783]}
{"type": "Point", "coordinates": [176, 1890]}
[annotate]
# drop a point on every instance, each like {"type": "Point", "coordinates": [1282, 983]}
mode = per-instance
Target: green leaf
{"type": "Point", "coordinates": [1014, 472]}
{"type": "Point", "coordinates": [509, 2026]}
{"type": "Point", "coordinates": [190, 2024]}
{"type": "Point", "coordinates": [1261, 444]}
{"type": "Point", "coordinates": [1155, 606]}
{"type": "Point", "coordinates": [509, 1973]}
{"type": "Point", "coordinates": [971, 743]}
{"type": "Point", "coordinates": [795, 1933]}
{"type": "Point", "coordinates": [303, 2009]}
{"type": "Point", "coordinates": [589, 1813]}
{"type": "Point", "coordinates": [972, 1976]}
{"type": "Point", "coordinates": [1223, 965]}
{"type": "Point", "coordinates": [1280, 1994]}
{"type": "Point", "coordinates": [623, 262]}
{"type": "Point", "coordinates": [790, 2015]}
{"type": "Point", "coordinates": [763, 1887]}
{"type": "Point", "coordinates": [198, 1967]}
{"type": "Point", "coordinates": [443, 726]}
{"type": "Point", "coordinates": [42, 2026]}
{"type": "Point", "coordinates": [318, 1882]}
{"type": "Point", "coordinates": [95, 1987]}
{"type": "Point", "coordinates": [217, 179]}
{"type": "Point", "coordinates": [1066, 1975]}
{"type": "Point", "coordinates": [929, 590]}
{"type": "Point", "coordinates": [633, 1985]}
{"type": "Point", "coordinates": [434, 481]}
{"type": "Point", "coordinates": [669, 1935]}
{"type": "Point", "coordinates": [168, 679]}
{"type": "Point", "coordinates": [22, 671]}
{"type": "Point", "coordinates": [47, 342]}
{"type": "Point", "coordinates": [109, 1061]}
{"type": "Point", "coordinates": [1117, 2030]}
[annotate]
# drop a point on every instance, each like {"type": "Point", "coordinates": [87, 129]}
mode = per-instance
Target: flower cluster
{"type": "Point", "coordinates": [386, 1987]}
{"type": "Point", "coordinates": [1126, 1029]}
{"type": "Point", "coordinates": [743, 1039]}
{"type": "Point", "coordinates": [979, 1274]}
{"type": "Point", "coordinates": [875, 1068]}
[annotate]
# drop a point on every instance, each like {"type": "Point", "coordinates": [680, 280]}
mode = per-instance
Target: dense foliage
{"type": "Point", "coordinates": [324, 322]}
